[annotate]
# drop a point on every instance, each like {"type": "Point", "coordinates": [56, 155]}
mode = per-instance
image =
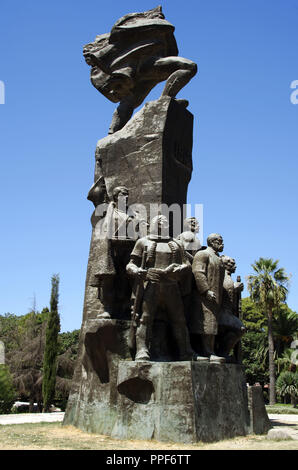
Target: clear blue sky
{"type": "Point", "coordinates": [245, 150]}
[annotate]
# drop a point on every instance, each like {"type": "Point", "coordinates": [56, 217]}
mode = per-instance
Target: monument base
{"type": "Point", "coordinates": [182, 402]}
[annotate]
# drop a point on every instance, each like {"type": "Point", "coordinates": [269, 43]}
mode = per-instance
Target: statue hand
{"type": "Point", "coordinates": [210, 296]}
{"type": "Point", "coordinates": [239, 286]}
{"type": "Point", "coordinates": [141, 274]}
{"type": "Point", "coordinates": [174, 267]}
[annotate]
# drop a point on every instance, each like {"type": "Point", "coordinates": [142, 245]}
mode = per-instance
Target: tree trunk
{"type": "Point", "coordinates": [272, 393]}
{"type": "Point", "coordinates": [31, 405]}
{"type": "Point", "coordinates": [46, 408]}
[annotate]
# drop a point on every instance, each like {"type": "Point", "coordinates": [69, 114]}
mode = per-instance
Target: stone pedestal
{"type": "Point", "coordinates": [259, 421]}
{"type": "Point", "coordinates": [166, 401]}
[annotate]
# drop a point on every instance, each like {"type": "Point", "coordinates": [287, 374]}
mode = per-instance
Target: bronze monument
{"type": "Point", "coordinates": [159, 335]}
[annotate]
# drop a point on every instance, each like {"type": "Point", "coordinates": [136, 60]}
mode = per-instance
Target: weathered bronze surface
{"type": "Point", "coordinates": [138, 53]}
{"type": "Point", "coordinates": [160, 335]}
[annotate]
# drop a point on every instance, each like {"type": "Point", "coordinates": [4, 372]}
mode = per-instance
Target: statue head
{"type": "Point", "coordinates": [229, 263]}
{"type": "Point", "coordinates": [98, 192]}
{"type": "Point", "coordinates": [120, 194]}
{"type": "Point", "coordinates": [191, 224]}
{"type": "Point", "coordinates": [215, 241]}
{"type": "Point", "coordinates": [159, 225]}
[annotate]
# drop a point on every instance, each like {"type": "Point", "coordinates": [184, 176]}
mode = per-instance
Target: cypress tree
{"type": "Point", "coordinates": [51, 348]}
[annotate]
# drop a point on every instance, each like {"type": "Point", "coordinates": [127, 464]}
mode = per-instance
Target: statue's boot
{"type": "Point", "coordinates": [108, 307]}
{"type": "Point", "coordinates": [186, 353]}
{"type": "Point", "coordinates": [106, 315]}
{"type": "Point", "coordinates": [105, 287]}
{"type": "Point", "coordinates": [217, 359]}
{"type": "Point", "coordinates": [199, 358]}
{"type": "Point", "coordinates": [142, 355]}
{"type": "Point", "coordinates": [208, 342]}
{"type": "Point", "coordinates": [142, 341]}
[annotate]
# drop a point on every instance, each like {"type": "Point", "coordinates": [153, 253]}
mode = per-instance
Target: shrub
{"type": "Point", "coordinates": [7, 392]}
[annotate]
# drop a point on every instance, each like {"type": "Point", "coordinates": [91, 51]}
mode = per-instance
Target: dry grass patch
{"type": "Point", "coordinates": [54, 436]}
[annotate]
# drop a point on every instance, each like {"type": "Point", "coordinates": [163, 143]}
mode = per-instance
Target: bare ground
{"type": "Point", "coordinates": [54, 436]}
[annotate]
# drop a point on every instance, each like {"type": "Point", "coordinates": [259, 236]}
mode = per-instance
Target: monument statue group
{"type": "Point", "coordinates": [160, 343]}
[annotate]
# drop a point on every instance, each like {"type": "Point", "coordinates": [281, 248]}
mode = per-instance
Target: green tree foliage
{"type": "Point", "coordinates": [26, 356]}
{"type": "Point", "coordinates": [255, 368]}
{"type": "Point", "coordinates": [287, 361]}
{"type": "Point", "coordinates": [252, 315]}
{"type": "Point", "coordinates": [268, 289]}
{"type": "Point", "coordinates": [51, 348]}
{"type": "Point", "coordinates": [255, 340]}
{"type": "Point", "coordinates": [24, 339]}
{"type": "Point", "coordinates": [287, 384]}
{"type": "Point", "coordinates": [69, 342]}
{"type": "Point", "coordinates": [285, 327]}
{"type": "Point", "coordinates": [7, 392]}
{"type": "Point", "coordinates": [10, 331]}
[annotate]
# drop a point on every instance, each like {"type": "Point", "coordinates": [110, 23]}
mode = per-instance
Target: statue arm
{"type": "Point", "coordinates": [186, 257]}
{"type": "Point", "coordinates": [185, 263]}
{"type": "Point", "coordinates": [238, 288]}
{"type": "Point", "coordinates": [199, 268]}
{"type": "Point", "coordinates": [134, 268]}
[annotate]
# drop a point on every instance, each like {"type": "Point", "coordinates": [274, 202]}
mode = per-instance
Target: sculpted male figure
{"type": "Point", "coordinates": [230, 327]}
{"type": "Point", "coordinates": [191, 245]}
{"type": "Point", "coordinates": [189, 238]}
{"type": "Point", "coordinates": [209, 271]}
{"type": "Point", "coordinates": [138, 53]}
{"type": "Point", "coordinates": [113, 244]}
{"type": "Point", "coordinates": [97, 195]}
{"type": "Point", "coordinates": [166, 262]}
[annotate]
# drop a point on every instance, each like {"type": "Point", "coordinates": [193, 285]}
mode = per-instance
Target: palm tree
{"type": "Point", "coordinates": [268, 288]}
{"type": "Point", "coordinates": [286, 361]}
{"type": "Point", "coordinates": [285, 326]}
{"type": "Point", "coordinates": [287, 384]}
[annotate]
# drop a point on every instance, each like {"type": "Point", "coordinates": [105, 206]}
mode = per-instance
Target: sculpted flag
{"type": "Point", "coordinates": [119, 58]}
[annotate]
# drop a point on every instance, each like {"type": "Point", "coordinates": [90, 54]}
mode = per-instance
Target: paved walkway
{"type": "Point", "coordinates": [284, 427]}
{"type": "Point", "coordinates": [21, 418]}
{"type": "Point", "coordinates": [283, 418]}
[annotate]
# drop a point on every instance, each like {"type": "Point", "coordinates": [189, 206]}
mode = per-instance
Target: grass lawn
{"type": "Point", "coordinates": [282, 408]}
{"type": "Point", "coordinates": [54, 436]}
